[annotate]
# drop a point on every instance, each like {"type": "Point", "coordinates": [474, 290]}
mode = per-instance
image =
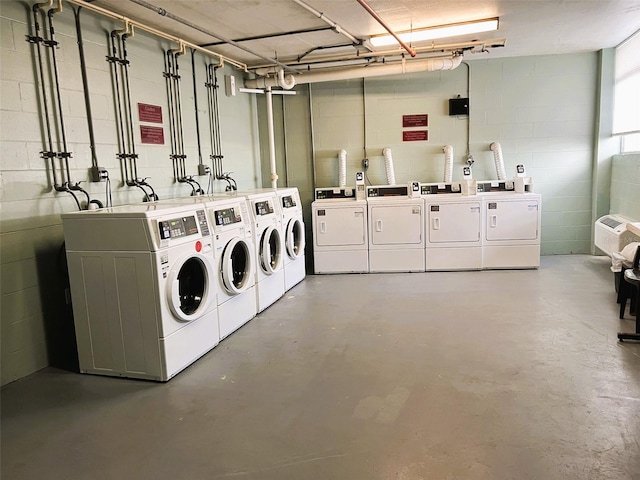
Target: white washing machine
{"type": "Point", "coordinates": [143, 286]}
{"type": "Point", "coordinates": [396, 228]}
{"type": "Point", "coordinates": [340, 236]}
{"type": "Point", "coordinates": [294, 236]}
{"type": "Point", "coordinates": [235, 261]}
{"type": "Point", "coordinates": [268, 239]}
{"type": "Point", "coordinates": [511, 229]}
{"type": "Point", "coordinates": [452, 228]}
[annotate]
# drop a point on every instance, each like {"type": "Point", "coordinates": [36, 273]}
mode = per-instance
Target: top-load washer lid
{"type": "Point", "coordinates": [190, 287]}
{"type": "Point", "coordinates": [270, 251]}
{"type": "Point", "coordinates": [236, 267]}
{"type": "Point", "coordinates": [294, 238]}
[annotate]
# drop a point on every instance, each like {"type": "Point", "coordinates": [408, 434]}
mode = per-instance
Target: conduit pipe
{"type": "Point", "coordinates": [164, 13]}
{"type": "Point", "coordinates": [499, 160]}
{"type": "Point", "coordinates": [342, 168]}
{"type": "Point", "coordinates": [379, 19]}
{"type": "Point", "coordinates": [430, 65]}
{"type": "Point", "coordinates": [448, 163]}
{"type": "Point", "coordinates": [388, 165]}
{"type": "Point", "coordinates": [154, 31]}
{"type": "Point", "coordinates": [272, 142]}
{"type": "Point", "coordinates": [337, 28]}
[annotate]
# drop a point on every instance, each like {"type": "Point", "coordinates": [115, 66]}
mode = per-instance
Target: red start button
{"type": "Point", "coordinates": [198, 246]}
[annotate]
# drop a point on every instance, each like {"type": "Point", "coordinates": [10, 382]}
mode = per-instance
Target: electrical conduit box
{"type": "Point", "coordinates": [230, 85]}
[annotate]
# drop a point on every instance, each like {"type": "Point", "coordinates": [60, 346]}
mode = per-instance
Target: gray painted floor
{"type": "Point", "coordinates": [468, 375]}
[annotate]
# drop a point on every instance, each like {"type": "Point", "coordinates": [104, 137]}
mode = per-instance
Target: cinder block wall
{"type": "Point", "coordinates": [540, 109]}
{"type": "Point", "coordinates": [37, 326]}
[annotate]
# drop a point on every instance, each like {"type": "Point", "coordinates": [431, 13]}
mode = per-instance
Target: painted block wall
{"type": "Point", "coordinates": [36, 324]}
{"type": "Point", "coordinates": [625, 185]}
{"type": "Point", "coordinates": [540, 109]}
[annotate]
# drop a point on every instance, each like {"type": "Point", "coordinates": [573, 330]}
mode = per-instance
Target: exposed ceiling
{"type": "Point", "coordinates": [527, 27]}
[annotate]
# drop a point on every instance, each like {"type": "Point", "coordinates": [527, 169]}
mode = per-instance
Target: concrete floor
{"type": "Point", "coordinates": [460, 375]}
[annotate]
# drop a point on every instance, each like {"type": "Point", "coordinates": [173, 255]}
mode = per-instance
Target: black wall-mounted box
{"type": "Point", "coordinates": [459, 106]}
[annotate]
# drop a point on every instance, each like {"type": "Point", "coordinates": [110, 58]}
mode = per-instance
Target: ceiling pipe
{"type": "Point", "coordinates": [377, 17]}
{"type": "Point", "coordinates": [328, 21]}
{"type": "Point", "coordinates": [164, 13]}
{"type": "Point", "coordinates": [154, 31]}
{"type": "Point", "coordinates": [430, 65]}
{"type": "Point", "coordinates": [444, 48]}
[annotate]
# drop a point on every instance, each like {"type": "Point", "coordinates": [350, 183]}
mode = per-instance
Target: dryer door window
{"type": "Point", "coordinates": [236, 268]}
{"type": "Point", "coordinates": [189, 288]}
{"type": "Point", "coordinates": [295, 239]}
{"type": "Point", "coordinates": [270, 251]}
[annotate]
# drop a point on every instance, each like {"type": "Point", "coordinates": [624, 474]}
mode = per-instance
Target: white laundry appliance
{"type": "Point", "coordinates": [294, 236]}
{"type": "Point", "coordinates": [452, 228]}
{"type": "Point", "coordinates": [396, 228]}
{"type": "Point", "coordinates": [340, 233]}
{"type": "Point", "coordinates": [235, 258]}
{"type": "Point", "coordinates": [235, 261]}
{"type": "Point", "coordinates": [143, 286]}
{"type": "Point", "coordinates": [268, 238]}
{"type": "Point", "coordinates": [511, 226]}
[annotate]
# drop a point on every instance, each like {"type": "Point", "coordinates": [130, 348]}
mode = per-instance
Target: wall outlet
{"type": "Point", "coordinates": [365, 163]}
{"type": "Point", "coordinates": [204, 169]}
{"type": "Point", "coordinates": [99, 174]}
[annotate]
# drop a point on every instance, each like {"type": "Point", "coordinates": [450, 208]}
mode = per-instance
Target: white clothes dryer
{"type": "Point", "coordinates": [452, 228]}
{"type": "Point", "coordinates": [340, 234]}
{"type": "Point", "coordinates": [294, 236]}
{"type": "Point", "coordinates": [235, 261]}
{"type": "Point", "coordinates": [143, 286]}
{"type": "Point", "coordinates": [511, 229]}
{"type": "Point", "coordinates": [268, 238]}
{"type": "Point", "coordinates": [396, 228]}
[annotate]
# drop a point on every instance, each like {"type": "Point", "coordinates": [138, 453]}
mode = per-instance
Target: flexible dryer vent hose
{"type": "Point", "coordinates": [342, 168]}
{"type": "Point", "coordinates": [497, 156]}
{"type": "Point", "coordinates": [448, 163]}
{"type": "Point", "coordinates": [388, 165]}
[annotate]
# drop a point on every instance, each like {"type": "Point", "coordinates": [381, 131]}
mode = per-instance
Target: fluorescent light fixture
{"type": "Point", "coordinates": [432, 33]}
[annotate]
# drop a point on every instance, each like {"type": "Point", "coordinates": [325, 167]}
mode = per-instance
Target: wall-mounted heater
{"type": "Point", "coordinates": [611, 234]}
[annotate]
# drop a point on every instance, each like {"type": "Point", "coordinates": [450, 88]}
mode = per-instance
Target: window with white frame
{"type": "Point", "coordinates": [626, 118]}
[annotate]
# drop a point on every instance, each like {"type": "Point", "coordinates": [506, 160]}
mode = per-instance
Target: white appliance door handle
{"type": "Point", "coordinates": [323, 227]}
{"type": "Point", "coordinates": [378, 225]}
{"type": "Point", "coordinates": [494, 221]}
{"type": "Point", "coordinates": [436, 223]}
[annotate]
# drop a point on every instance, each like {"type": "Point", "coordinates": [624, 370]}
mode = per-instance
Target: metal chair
{"type": "Point", "coordinates": [632, 278]}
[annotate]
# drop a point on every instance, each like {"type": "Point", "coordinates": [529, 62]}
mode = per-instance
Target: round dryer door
{"type": "Point", "coordinates": [270, 251]}
{"type": "Point", "coordinates": [189, 287]}
{"type": "Point", "coordinates": [236, 269]}
{"type": "Point", "coordinates": [295, 238]}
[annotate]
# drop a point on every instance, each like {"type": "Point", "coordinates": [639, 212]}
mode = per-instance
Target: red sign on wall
{"type": "Point", "coordinates": [149, 113]}
{"type": "Point", "coordinates": [409, 121]}
{"type": "Point", "coordinates": [415, 135]}
{"type": "Point", "coordinates": [152, 135]}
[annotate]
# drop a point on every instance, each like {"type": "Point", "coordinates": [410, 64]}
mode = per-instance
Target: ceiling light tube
{"type": "Point", "coordinates": [432, 33]}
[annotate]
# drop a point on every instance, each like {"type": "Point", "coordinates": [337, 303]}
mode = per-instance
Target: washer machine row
{"type": "Point", "coordinates": [294, 236]}
{"type": "Point", "coordinates": [143, 286]}
{"type": "Point", "coordinates": [268, 238]}
{"type": "Point", "coordinates": [235, 261]}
